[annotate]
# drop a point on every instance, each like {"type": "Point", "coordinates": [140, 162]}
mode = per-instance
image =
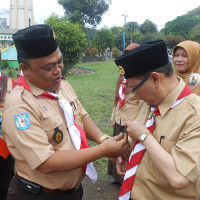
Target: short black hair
{"type": "Point", "coordinates": [23, 60]}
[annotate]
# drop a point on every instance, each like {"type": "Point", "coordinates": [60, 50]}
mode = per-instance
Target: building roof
{"type": "Point", "coordinates": [9, 53]}
{"type": "Point", "coordinates": [8, 31]}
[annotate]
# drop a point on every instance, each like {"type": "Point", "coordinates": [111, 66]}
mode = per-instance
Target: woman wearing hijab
{"type": "Point", "coordinates": [186, 57]}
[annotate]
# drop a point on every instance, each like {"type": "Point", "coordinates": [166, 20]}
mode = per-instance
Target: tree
{"type": "Point", "coordinates": [103, 39]}
{"type": "Point", "coordinates": [148, 27]}
{"type": "Point", "coordinates": [195, 12]}
{"type": "Point", "coordinates": [172, 40]}
{"type": "Point", "coordinates": [194, 34]}
{"type": "Point", "coordinates": [131, 26]}
{"type": "Point", "coordinates": [84, 11]}
{"type": "Point", "coordinates": [70, 37]}
{"type": "Point", "coordinates": [181, 25]}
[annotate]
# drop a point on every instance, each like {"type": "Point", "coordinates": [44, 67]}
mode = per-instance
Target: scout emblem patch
{"type": "Point", "coordinates": [22, 121]}
{"type": "Point", "coordinates": [58, 135]}
{"type": "Point", "coordinates": [121, 70]}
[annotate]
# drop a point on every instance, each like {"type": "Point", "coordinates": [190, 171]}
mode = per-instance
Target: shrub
{"type": "Point", "coordinates": [94, 52]}
{"type": "Point", "coordinates": [172, 40]}
{"type": "Point", "coordinates": [88, 52]}
{"type": "Point", "coordinates": [115, 53]}
{"type": "Point", "coordinates": [11, 73]}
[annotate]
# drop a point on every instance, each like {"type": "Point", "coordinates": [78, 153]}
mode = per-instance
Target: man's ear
{"type": "Point", "coordinates": [155, 77]}
{"type": "Point", "coordinates": [25, 69]}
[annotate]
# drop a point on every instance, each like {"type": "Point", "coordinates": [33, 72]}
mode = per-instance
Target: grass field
{"type": "Point", "coordinates": [96, 93]}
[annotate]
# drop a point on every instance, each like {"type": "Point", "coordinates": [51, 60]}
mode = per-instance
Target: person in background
{"type": "Point", "coordinates": [164, 162]}
{"type": "Point", "coordinates": [6, 159]}
{"type": "Point", "coordinates": [125, 105]}
{"type": "Point", "coordinates": [46, 127]}
{"type": "Point", "coordinates": [186, 57]}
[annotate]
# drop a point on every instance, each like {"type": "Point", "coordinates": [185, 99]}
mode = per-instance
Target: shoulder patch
{"type": "Point", "coordinates": [22, 121]}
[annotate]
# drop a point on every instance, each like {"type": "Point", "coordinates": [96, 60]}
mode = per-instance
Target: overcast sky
{"type": "Point", "coordinates": [158, 11]}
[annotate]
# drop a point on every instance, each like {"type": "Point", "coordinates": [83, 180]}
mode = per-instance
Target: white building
{"type": "Point", "coordinates": [21, 14]}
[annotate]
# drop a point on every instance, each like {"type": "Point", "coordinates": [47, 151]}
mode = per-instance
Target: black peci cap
{"type": "Point", "coordinates": [143, 59]}
{"type": "Point", "coordinates": [35, 41]}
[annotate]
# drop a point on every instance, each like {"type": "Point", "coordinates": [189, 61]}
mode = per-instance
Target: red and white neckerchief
{"type": "Point", "coordinates": [122, 90]}
{"type": "Point", "coordinates": [77, 134]}
{"type": "Point", "coordinates": [139, 149]}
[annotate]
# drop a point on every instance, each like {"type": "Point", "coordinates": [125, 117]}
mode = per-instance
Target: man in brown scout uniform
{"type": "Point", "coordinates": [44, 124]}
{"type": "Point", "coordinates": [165, 160]}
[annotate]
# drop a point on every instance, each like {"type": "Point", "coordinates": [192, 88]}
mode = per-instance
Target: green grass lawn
{"type": "Point", "coordinates": [96, 93]}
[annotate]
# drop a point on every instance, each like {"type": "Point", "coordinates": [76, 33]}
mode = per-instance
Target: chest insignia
{"type": "Point", "coordinates": [58, 135]}
{"type": "Point", "coordinates": [80, 118]}
{"type": "Point", "coordinates": [22, 121]}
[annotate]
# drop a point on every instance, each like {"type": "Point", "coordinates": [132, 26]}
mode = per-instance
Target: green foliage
{"type": "Point", "coordinates": [132, 25]}
{"type": "Point", "coordinates": [194, 34]}
{"type": "Point", "coordinates": [115, 53]}
{"type": "Point", "coordinates": [70, 37]}
{"type": "Point", "coordinates": [181, 25]}
{"type": "Point", "coordinates": [173, 40]}
{"type": "Point", "coordinates": [94, 51]}
{"type": "Point", "coordinates": [103, 39]}
{"type": "Point", "coordinates": [87, 52]}
{"type": "Point", "coordinates": [84, 11]}
{"type": "Point", "coordinates": [148, 27]}
{"type": "Point", "coordinates": [148, 37]}
{"type": "Point", "coordinates": [195, 11]}
{"type": "Point", "coordinates": [11, 73]}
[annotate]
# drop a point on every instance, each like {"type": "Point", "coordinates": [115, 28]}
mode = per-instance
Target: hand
{"type": "Point", "coordinates": [115, 146]}
{"type": "Point", "coordinates": [135, 130]}
{"type": "Point", "coordinates": [121, 165]}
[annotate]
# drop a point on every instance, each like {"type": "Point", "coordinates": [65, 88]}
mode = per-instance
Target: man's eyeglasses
{"type": "Point", "coordinates": [140, 84]}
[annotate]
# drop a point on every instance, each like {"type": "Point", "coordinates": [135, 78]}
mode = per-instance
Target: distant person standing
{"type": "Point", "coordinates": [125, 105]}
{"type": "Point", "coordinates": [186, 57]}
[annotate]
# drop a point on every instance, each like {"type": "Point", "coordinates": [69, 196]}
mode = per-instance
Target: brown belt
{"type": "Point", "coordinates": [54, 191]}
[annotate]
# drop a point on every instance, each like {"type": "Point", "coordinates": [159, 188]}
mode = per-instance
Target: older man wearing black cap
{"type": "Point", "coordinates": [46, 126]}
{"type": "Point", "coordinates": [164, 162]}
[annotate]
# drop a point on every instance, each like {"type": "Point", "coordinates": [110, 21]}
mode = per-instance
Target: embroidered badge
{"type": "Point", "coordinates": [194, 80]}
{"type": "Point", "coordinates": [22, 121]}
{"type": "Point", "coordinates": [80, 118]}
{"type": "Point", "coordinates": [58, 135]}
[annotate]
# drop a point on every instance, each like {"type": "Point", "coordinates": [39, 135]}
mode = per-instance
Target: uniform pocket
{"type": "Point", "coordinates": [168, 145]}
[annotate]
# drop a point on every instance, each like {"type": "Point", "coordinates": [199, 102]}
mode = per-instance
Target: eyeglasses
{"type": "Point", "coordinates": [140, 84]}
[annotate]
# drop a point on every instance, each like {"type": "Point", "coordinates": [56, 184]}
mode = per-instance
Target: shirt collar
{"type": "Point", "coordinates": [36, 91]}
{"type": "Point", "coordinates": [171, 98]}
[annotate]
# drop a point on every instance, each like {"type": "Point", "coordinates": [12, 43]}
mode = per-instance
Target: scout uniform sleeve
{"type": "Point", "coordinates": [23, 129]}
{"type": "Point", "coordinates": [186, 153]}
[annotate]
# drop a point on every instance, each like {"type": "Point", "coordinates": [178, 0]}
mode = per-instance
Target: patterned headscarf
{"type": "Point", "coordinates": [193, 54]}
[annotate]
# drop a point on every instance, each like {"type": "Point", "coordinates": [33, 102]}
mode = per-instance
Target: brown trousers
{"type": "Point", "coordinates": [17, 193]}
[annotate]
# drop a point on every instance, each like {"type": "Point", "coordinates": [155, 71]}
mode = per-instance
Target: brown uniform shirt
{"type": "Point", "coordinates": [178, 132]}
{"type": "Point", "coordinates": [128, 111]}
{"type": "Point", "coordinates": [34, 145]}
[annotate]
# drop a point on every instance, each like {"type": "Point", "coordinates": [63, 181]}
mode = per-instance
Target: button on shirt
{"type": "Point", "coordinates": [32, 146]}
{"type": "Point", "coordinates": [178, 132]}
